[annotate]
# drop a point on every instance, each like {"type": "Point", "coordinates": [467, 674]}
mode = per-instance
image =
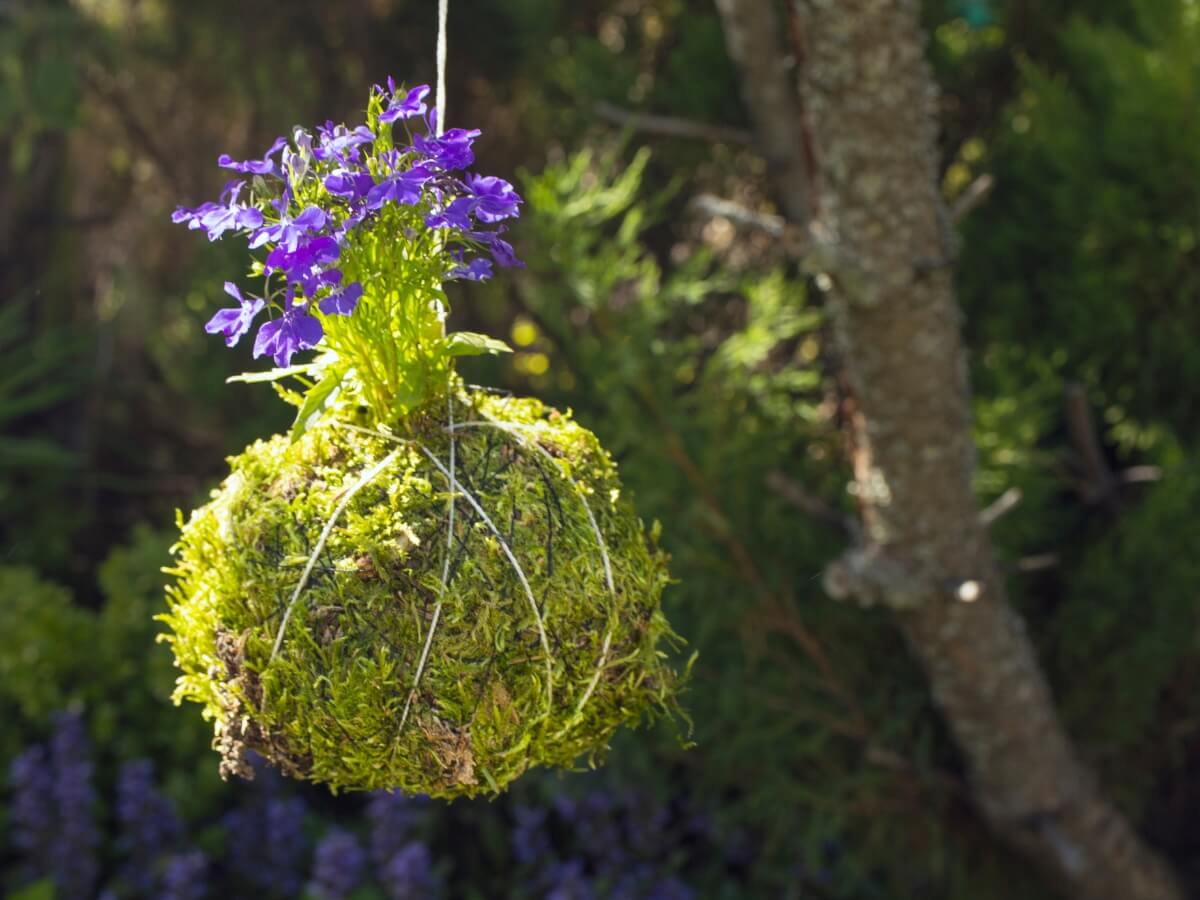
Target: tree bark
{"type": "Point", "coordinates": [870, 102]}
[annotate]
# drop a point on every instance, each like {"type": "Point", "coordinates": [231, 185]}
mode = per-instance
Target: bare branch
{"type": "Point", "coordinates": [711, 205]}
{"type": "Point", "coordinates": [972, 198]}
{"type": "Point", "coordinates": [810, 244]}
{"type": "Point", "coordinates": [670, 126]}
{"type": "Point", "coordinates": [1140, 474]}
{"type": "Point", "coordinates": [811, 505]}
{"type": "Point", "coordinates": [1099, 481]}
{"type": "Point", "coordinates": [752, 34]}
{"type": "Point", "coordinates": [1037, 563]}
{"type": "Point", "coordinates": [1002, 505]}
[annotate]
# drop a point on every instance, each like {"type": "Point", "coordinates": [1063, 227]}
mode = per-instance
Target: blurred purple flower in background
{"type": "Point", "coordinates": [32, 819]}
{"type": "Point", "coordinates": [149, 828]}
{"type": "Point", "coordinates": [567, 881]}
{"type": "Point", "coordinates": [529, 839]}
{"type": "Point", "coordinates": [185, 877]}
{"type": "Point", "coordinates": [409, 874]}
{"type": "Point", "coordinates": [266, 847]}
{"type": "Point", "coordinates": [339, 866]}
{"type": "Point", "coordinates": [73, 854]}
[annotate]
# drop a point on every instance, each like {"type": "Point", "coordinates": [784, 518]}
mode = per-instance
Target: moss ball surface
{"type": "Point", "coordinates": [306, 591]}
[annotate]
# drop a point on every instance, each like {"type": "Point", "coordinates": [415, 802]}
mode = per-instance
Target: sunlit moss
{"type": "Point", "coordinates": [491, 701]}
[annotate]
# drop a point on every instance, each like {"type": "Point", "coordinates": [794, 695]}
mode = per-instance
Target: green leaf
{"type": "Point", "coordinates": [272, 375]}
{"type": "Point", "coordinates": [319, 397]}
{"type": "Point", "coordinates": [34, 453]}
{"type": "Point", "coordinates": [468, 343]}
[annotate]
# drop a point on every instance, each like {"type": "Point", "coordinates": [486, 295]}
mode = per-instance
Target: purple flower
{"type": "Point", "coordinates": [451, 151]}
{"type": "Point", "coordinates": [73, 855]}
{"type": "Point", "coordinates": [236, 321]}
{"type": "Point", "coordinates": [149, 826]}
{"type": "Point", "coordinates": [394, 817]}
{"type": "Point", "coordinates": [314, 252]}
{"type": "Point", "coordinates": [229, 218]}
{"type": "Point", "coordinates": [292, 332]}
{"type": "Point", "coordinates": [264, 166]}
{"type": "Point", "coordinates": [409, 874]}
{"type": "Point", "coordinates": [217, 218]}
{"type": "Point", "coordinates": [529, 839]}
{"type": "Point", "coordinates": [399, 187]}
{"type": "Point", "coordinates": [494, 197]}
{"type": "Point", "coordinates": [478, 269]}
{"type": "Point", "coordinates": [31, 813]}
{"type": "Point", "coordinates": [412, 105]}
{"type": "Point", "coordinates": [343, 301]}
{"type": "Point", "coordinates": [288, 231]}
{"type": "Point", "coordinates": [566, 881]}
{"type": "Point", "coordinates": [349, 184]}
{"type": "Point", "coordinates": [266, 846]}
{"type": "Point", "coordinates": [184, 877]}
{"type": "Point", "coordinates": [306, 265]}
{"type": "Point", "coordinates": [339, 865]}
{"type": "Point", "coordinates": [502, 250]}
{"type": "Point", "coordinates": [335, 142]}
{"type": "Point", "coordinates": [455, 215]}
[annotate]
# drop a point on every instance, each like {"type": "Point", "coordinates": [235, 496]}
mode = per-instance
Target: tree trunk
{"type": "Point", "coordinates": [869, 102]}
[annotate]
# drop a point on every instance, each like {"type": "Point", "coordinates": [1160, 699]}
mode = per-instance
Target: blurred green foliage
{"type": "Point", "coordinates": [57, 655]}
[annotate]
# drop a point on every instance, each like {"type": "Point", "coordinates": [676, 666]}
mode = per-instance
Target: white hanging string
{"type": "Point", "coordinates": [443, 13]}
{"type": "Point", "coordinates": [440, 100]}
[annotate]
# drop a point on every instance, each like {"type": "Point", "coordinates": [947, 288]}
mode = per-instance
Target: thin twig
{"type": "Point", "coordinates": [972, 197]}
{"type": "Point", "coordinates": [1037, 563]}
{"type": "Point", "coordinates": [1001, 506]}
{"type": "Point", "coordinates": [811, 505]}
{"type": "Point", "coordinates": [1099, 480]}
{"type": "Point", "coordinates": [811, 244]}
{"type": "Point", "coordinates": [670, 126]}
{"type": "Point", "coordinates": [712, 205]}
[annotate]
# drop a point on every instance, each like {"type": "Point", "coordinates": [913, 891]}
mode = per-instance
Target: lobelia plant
{"type": "Point", "coordinates": [423, 587]}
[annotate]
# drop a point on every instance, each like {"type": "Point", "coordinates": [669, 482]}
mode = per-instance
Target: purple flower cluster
{"type": "Point", "coordinates": [395, 819]}
{"type": "Point", "coordinates": [32, 818]}
{"type": "Point", "coordinates": [403, 864]}
{"type": "Point", "coordinates": [307, 201]}
{"type": "Point", "coordinates": [73, 855]}
{"type": "Point", "coordinates": [409, 874]}
{"type": "Point", "coordinates": [53, 829]}
{"type": "Point", "coordinates": [267, 847]}
{"type": "Point", "coordinates": [602, 844]}
{"type": "Point", "coordinates": [339, 866]}
{"type": "Point", "coordinates": [149, 826]}
{"type": "Point", "coordinates": [184, 877]}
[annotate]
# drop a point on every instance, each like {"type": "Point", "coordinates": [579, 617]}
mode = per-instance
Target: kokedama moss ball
{"type": "Point", "coordinates": [545, 639]}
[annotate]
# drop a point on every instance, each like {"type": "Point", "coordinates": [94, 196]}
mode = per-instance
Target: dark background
{"type": "Point", "coordinates": [689, 343]}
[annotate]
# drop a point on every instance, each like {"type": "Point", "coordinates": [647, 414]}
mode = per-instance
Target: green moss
{"type": "Point", "coordinates": [491, 702]}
